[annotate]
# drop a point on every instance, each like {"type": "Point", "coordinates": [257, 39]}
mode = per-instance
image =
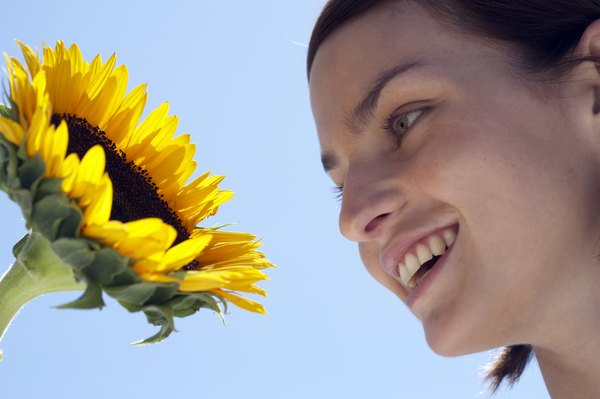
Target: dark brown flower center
{"type": "Point", "coordinates": [135, 196]}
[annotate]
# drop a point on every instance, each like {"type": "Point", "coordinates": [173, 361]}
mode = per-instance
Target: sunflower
{"type": "Point", "coordinates": [110, 192]}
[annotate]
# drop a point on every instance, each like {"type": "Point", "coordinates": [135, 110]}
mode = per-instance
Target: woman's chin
{"type": "Point", "coordinates": [451, 342]}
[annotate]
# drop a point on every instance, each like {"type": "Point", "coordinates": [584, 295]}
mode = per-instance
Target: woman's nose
{"type": "Point", "coordinates": [369, 206]}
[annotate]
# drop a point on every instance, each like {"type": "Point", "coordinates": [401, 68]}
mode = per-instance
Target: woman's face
{"type": "Point", "coordinates": [441, 149]}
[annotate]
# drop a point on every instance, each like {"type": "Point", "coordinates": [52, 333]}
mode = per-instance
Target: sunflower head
{"type": "Point", "coordinates": [112, 194]}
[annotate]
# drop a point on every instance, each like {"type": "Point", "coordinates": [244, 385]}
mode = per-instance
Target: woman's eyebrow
{"type": "Point", "coordinates": [362, 114]}
{"type": "Point", "coordinates": [329, 161]}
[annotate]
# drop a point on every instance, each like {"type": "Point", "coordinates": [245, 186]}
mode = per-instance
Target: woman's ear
{"type": "Point", "coordinates": [589, 48]}
{"type": "Point", "coordinates": [589, 44]}
{"type": "Point", "coordinates": [594, 44]}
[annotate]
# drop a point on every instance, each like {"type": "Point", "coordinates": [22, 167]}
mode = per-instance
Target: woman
{"type": "Point", "coordinates": [464, 137]}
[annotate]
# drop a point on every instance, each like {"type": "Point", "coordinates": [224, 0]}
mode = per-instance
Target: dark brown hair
{"type": "Point", "coordinates": [542, 35]}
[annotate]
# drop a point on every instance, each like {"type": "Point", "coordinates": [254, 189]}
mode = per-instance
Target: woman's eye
{"type": "Point", "coordinates": [398, 125]}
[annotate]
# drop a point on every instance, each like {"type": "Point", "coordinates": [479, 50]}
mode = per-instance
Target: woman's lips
{"type": "Point", "coordinates": [427, 279]}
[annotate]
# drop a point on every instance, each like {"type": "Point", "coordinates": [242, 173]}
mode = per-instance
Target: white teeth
{"type": "Point", "coordinates": [437, 245]}
{"type": "Point", "coordinates": [412, 263]}
{"type": "Point", "coordinates": [449, 237]}
{"type": "Point", "coordinates": [423, 253]}
{"type": "Point", "coordinates": [405, 276]}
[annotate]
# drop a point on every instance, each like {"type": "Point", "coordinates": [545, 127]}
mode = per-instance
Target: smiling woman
{"type": "Point", "coordinates": [464, 138]}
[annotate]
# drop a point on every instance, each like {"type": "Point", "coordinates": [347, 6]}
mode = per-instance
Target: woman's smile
{"type": "Point", "coordinates": [416, 263]}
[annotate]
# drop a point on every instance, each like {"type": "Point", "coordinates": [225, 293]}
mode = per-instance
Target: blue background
{"type": "Point", "coordinates": [234, 72]}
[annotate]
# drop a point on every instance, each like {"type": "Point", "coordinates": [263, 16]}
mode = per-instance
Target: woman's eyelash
{"type": "Point", "coordinates": [398, 126]}
{"type": "Point", "coordinates": [338, 192]}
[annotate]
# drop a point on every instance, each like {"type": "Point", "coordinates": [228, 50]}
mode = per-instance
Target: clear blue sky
{"type": "Point", "coordinates": [233, 71]}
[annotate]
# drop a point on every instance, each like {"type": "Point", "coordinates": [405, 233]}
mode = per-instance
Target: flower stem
{"type": "Point", "coordinates": [36, 271]}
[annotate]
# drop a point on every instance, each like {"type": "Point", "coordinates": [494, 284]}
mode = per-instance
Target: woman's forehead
{"type": "Point", "coordinates": [360, 51]}
{"type": "Point", "coordinates": [368, 50]}
{"type": "Point", "coordinates": [369, 34]}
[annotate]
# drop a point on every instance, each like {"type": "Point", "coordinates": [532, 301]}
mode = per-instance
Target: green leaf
{"type": "Point", "coordinates": [91, 299]}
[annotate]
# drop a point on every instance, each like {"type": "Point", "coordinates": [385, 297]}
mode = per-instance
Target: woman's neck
{"type": "Point", "coordinates": [569, 351]}
{"type": "Point", "coordinates": [576, 376]}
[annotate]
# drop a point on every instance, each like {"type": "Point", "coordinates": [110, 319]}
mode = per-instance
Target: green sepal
{"type": "Point", "coordinates": [8, 164]}
{"type": "Point", "coordinates": [18, 247]}
{"type": "Point", "coordinates": [179, 306]}
{"type": "Point", "coordinates": [109, 267]}
{"type": "Point", "coordinates": [162, 293]}
{"type": "Point", "coordinates": [135, 296]}
{"type": "Point", "coordinates": [214, 227]}
{"type": "Point", "coordinates": [186, 305]}
{"type": "Point", "coordinates": [24, 199]}
{"type": "Point", "coordinates": [36, 271]}
{"type": "Point", "coordinates": [91, 299]}
{"type": "Point", "coordinates": [75, 252]}
{"type": "Point", "coordinates": [56, 217]}
{"type": "Point", "coordinates": [159, 316]}
{"type": "Point", "coordinates": [48, 187]}
{"type": "Point", "coordinates": [6, 111]}
{"type": "Point", "coordinates": [10, 111]}
{"type": "Point", "coordinates": [10, 179]}
{"type": "Point", "coordinates": [21, 176]}
{"type": "Point", "coordinates": [36, 254]}
{"type": "Point", "coordinates": [29, 250]}
{"type": "Point", "coordinates": [31, 172]}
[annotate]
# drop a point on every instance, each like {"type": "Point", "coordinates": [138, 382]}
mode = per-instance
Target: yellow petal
{"type": "Point", "coordinates": [11, 130]}
{"type": "Point", "coordinates": [32, 60]}
{"type": "Point", "coordinates": [59, 150]}
{"type": "Point", "coordinates": [98, 212]}
{"type": "Point", "coordinates": [36, 133]}
{"type": "Point", "coordinates": [243, 303]}
{"type": "Point", "coordinates": [90, 172]}
{"type": "Point", "coordinates": [146, 237]}
{"type": "Point", "coordinates": [183, 253]}
{"type": "Point", "coordinates": [107, 233]}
